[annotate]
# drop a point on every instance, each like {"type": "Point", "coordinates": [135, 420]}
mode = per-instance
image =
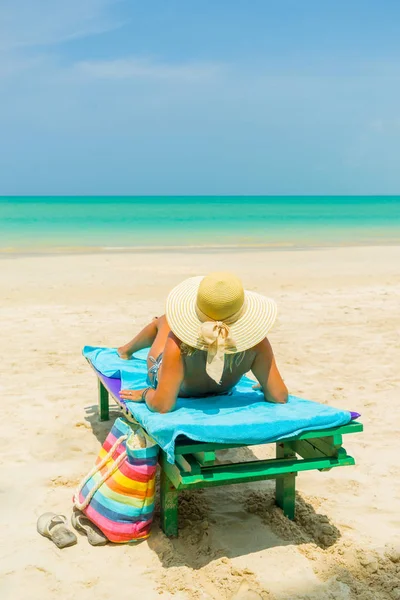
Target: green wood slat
{"type": "Point", "coordinates": [187, 446]}
{"type": "Point", "coordinates": [205, 458]}
{"type": "Point", "coordinates": [168, 506]}
{"type": "Point", "coordinates": [103, 402]}
{"type": "Point", "coordinates": [172, 471]}
{"type": "Point", "coordinates": [306, 449]}
{"type": "Point", "coordinates": [284, 451]}
{"type": "Point", "coordinates": [258, 470]}
{"type": "Point", "coordinates": [182, 463]}
{"type": "Point", "coordinates": [285, 495]}
{"type": "Point", "coordinates": [352, 427]}
{"type": "Point", "coordinates": [198, 482]}
{"type": "Point", "coordinates": [188, 463]}
{"type": "Point", "coordinates": [337, 438]}
{"type": "Point", "coordinates": [340, 453]}
{"type": "Point", "coordinates": [285, 487]}
{"type": "Point", "coordinates": [328, 445]}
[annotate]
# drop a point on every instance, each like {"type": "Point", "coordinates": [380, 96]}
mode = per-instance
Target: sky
{"type": "Point", "coordinates": [219, 97]}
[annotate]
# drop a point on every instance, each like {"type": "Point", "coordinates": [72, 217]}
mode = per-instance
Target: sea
{"type": "Point", "coordinates": [98, 224]}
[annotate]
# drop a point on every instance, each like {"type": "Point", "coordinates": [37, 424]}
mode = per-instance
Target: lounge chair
{"type": "Point", "coordinates": [195, 462]}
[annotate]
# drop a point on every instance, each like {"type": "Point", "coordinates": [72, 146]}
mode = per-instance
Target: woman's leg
{"type": "Point", "coordinates": [144, 339]}
{"type": "Point", "coordinates": [159, 341]}
{"type": "Point", "coordinates": [153, 336]}
{"type": "Point", "coordinates": [154, 358]}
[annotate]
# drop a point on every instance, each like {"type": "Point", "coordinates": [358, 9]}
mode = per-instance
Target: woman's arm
{"type": "Point", "coordinates": [266, 372]}
{"type": "Point", "coordinates": [171, 376]}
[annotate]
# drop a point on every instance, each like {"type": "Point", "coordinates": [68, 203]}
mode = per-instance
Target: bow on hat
{"type": "Point", "coordinates": [215, 335]}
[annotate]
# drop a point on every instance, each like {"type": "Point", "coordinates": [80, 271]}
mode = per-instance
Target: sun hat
{"type": "Point", "coordinates": [216, 314]}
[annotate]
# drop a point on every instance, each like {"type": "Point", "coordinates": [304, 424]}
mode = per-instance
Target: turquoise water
{"type": "Point", "coordinates": [105, 222]}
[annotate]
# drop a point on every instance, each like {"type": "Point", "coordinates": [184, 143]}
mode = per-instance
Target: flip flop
{"type": "Point", "coordinates": [81, 523]}
{"type": "Point", "coordinates": [55, 528]}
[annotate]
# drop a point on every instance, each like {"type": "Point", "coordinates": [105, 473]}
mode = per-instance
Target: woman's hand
{"type": "Point", "coordinates": [132, 395]}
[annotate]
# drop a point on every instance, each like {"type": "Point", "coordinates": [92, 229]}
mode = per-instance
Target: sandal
{"type": "Point", "coordinates": [55, 528]}
{"type": "Point", "coordinates": [81, 523]}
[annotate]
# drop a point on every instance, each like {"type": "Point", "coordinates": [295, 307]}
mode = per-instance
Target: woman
{"type": "Point", "coordinates": [212, 333]}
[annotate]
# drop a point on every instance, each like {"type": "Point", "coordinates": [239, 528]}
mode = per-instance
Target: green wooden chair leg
{"type": "Point", "coordinates": [285, 490]}
{"type": "Point", "coordinates": [168, 506]}
{"type": "Point", "coordinates": [285, 495]}
{"type": "Point", "coordinates": [103, 403]}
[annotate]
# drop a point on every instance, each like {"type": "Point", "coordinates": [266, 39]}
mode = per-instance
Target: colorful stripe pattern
{"type": "Point", "coordinates": [123, 506]}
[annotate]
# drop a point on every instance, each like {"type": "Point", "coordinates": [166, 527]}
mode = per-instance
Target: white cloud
{"type": "Point", "coordinates": [134, 68]}
{"type": "Point", "coordinates": [28, 28]}
{"type": "Point", "coordinates": [25, 23]}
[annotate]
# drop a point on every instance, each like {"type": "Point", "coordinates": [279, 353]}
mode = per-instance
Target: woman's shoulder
{"type": "Point", "coordinates": [174, 345]}
{"type": "Point", "coordinates": [263, 347]}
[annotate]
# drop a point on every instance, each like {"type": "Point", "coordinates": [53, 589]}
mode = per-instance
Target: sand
{"type": "Point", "coordinates": [337, 341]}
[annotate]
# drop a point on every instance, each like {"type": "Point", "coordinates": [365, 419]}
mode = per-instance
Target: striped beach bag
{"type": "Point", "coordinates": [118, 493]}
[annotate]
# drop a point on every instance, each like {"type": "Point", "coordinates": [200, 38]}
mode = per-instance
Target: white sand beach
{"type": "Point", "coordinates": [337, 341]}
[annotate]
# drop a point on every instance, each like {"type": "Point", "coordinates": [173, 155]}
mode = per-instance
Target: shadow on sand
{"type": "Point", "coordinates": [218, 524]}
{"type": "Point", "coordinates": [229, 521]}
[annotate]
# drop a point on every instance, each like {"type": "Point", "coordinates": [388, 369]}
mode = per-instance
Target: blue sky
{"type": "Point", "coordinates": [199, 97]}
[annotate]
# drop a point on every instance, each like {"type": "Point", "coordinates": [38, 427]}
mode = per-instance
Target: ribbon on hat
{"type": "Point", "coordinates": [216, 336]}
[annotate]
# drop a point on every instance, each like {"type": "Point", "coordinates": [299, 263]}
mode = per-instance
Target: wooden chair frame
{"type": "Point", "coordinates": [195, 462]}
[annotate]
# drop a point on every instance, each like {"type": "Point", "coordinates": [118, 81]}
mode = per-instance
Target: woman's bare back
{"type": "Point", "coordinates": [182, 371]}
{"type": "Point", "coordinates": [196, 381]}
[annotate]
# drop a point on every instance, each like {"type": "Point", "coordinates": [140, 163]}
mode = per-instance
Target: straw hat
{"type": "Point", "coordinates": [215, 314]}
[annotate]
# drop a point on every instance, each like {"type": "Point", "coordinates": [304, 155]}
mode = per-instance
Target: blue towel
{"type": "Point", "coordinates": [133, 373]}
{"type": "Point", "coordinates": [243, 417]}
